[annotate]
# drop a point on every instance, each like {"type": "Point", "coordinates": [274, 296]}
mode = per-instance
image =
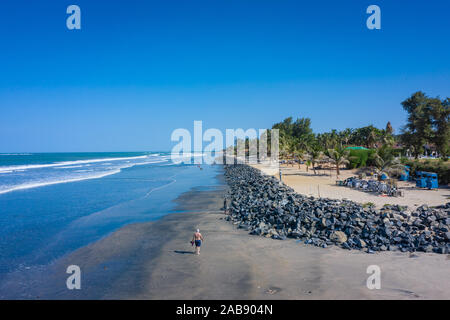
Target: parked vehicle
{"type": "Point", "coordinates": [432, 180]}
{"type": "Point", "coordinates": [427, 180]}
{"type": "Point", "coordinates": [405, 176]}
{"type": "Point", "coordinates": [421, 180]}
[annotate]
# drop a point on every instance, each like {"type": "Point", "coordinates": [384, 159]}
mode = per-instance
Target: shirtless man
{"type": "Point", "coordinates": [225, 206]}
{"type": "Point", "coordinates": [197, 238]}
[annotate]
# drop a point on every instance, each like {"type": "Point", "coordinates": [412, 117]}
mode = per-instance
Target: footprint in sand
{"type": "Point", "coordinates": [273, 290]}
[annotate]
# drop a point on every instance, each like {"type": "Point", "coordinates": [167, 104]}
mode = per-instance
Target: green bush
{"type": "Point", "coordinates": [369, 205]}
{"type": "Point", "coordinates": [360, 158]}
{"type": "Point", "coordinates": [397, 152]}
{"type": "Point", "coordinates": [442, 168]}
{"type": "Point", "coordinates": [404, 160]}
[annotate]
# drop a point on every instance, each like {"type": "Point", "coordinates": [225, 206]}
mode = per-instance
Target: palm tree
{"type": "Point", "coordinates": [292, 150]}
{"type": "Point", "coordinates": [308, 163]}
{"type": "Point", "coordinates": [304, 142]}
{"type": "Point", "coordinates": [345, 136]}
{"type": "Point", "coordinates": [385, 161]}
{"type": "Point", "coordinates": [371, 138]}
{"type": "Point", "coordinates": [334, 138]}
{"type": "Point", "coordinates": [285, 143]}
{"type": "Point", "coordinates": [315, 154]}
{"type": "Point", "coordinates": [338, 156]}
{"type": "Point", "coordinates": [299, 156]}
{"type": "Point", "coordinates": [328, 139]}
{"type": "Point", "coordinates": [386, 135]}
{"type": "Point", "coordinates": [388, 139]}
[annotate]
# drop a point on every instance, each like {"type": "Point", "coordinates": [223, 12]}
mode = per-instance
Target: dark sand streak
{"type": "Point", "coordinates": [152, 261]}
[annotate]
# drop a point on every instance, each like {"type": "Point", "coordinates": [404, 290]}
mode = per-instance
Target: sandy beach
{"type": "Point", "coordinates": [130, 127]}
{"type": "Point", "coordinates": [323, 184]}
{"type": "Point", "coordinates": [155, 260]}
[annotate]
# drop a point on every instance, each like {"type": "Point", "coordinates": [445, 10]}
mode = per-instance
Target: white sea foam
{"type": "Point", "coordinates": [69, 167]}
{"type": "Point", "coordinates": [86, 169]}
{"type": "Point", "coordinates": [148, 162]}
{"type": "Point", "coordinates": [161, 187]}
{"type": "Point", "coordinates": [64, 163]}
{"type": "Point", "coordinates": [185, 155]}
{"type": "Point", "coordinates": [48, 183]}
{"type": "Point", "coordinates": [96, 170]}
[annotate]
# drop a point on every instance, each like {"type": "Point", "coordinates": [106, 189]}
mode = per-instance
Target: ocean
{"type": "Point", "coordinates": [54, 203]}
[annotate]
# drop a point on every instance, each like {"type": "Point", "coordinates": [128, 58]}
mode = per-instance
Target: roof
{"type": "Point", "coordinates": [356, 148]}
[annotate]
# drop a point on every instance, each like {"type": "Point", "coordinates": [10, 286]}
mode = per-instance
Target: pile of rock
{"type": "Point", "coordinates": [264, 206]}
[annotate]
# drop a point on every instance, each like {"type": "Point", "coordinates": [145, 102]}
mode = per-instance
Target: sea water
{"type": "Point", "coordinates": [53, 204]}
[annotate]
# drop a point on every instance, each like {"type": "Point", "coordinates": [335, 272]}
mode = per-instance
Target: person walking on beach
{"type": "Point", "coordinates": [281, 174]}
{"type": "Point", "coordinates": [197, 238]}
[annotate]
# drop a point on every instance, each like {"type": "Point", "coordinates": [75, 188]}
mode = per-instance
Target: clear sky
{"type": "Point", "coordinates": [137, 70]}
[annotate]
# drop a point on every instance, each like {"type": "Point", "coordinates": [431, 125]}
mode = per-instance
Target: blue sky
{"type": "Point", "coordinates": [137, 70]}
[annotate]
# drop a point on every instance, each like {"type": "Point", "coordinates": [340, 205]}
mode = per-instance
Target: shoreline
{"type": "Point", "coordinates": [118, 265]}
{"type": "Point", "coordinates": [154, 260]}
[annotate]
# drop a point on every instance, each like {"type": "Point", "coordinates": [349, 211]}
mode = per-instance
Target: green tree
{"type": "Point", "coordinates": [419, 127]}
{"type": "Point", "coordinates": [385, 160]}
{"type": "Point", "coordinates": [387, 136]}
{"type": "Point", "coordinates": [338, 156]}
{"type": "Point", "coordinates": [365, 136]}
{"type": "Point", "coordinates": [315, 154]}
{"type": "Point", "coordinates": [294, 135]}
{"type": "Point", "coordinates": [345, 136]}
{"type": "Point", "coordinates": [441, 139]}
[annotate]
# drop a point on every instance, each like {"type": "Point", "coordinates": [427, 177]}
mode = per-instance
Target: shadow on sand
{"type": "Point", "coordinates": [183, 252]}
{"type": "Point", "coordinates": [306, 174]}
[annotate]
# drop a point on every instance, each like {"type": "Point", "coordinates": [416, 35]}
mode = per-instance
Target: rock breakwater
{"type": "Point", "coordinates": [263, 206]}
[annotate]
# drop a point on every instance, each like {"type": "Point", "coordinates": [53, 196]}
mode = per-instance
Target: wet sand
{"type": "Point", "coordinates": [155, 260]}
